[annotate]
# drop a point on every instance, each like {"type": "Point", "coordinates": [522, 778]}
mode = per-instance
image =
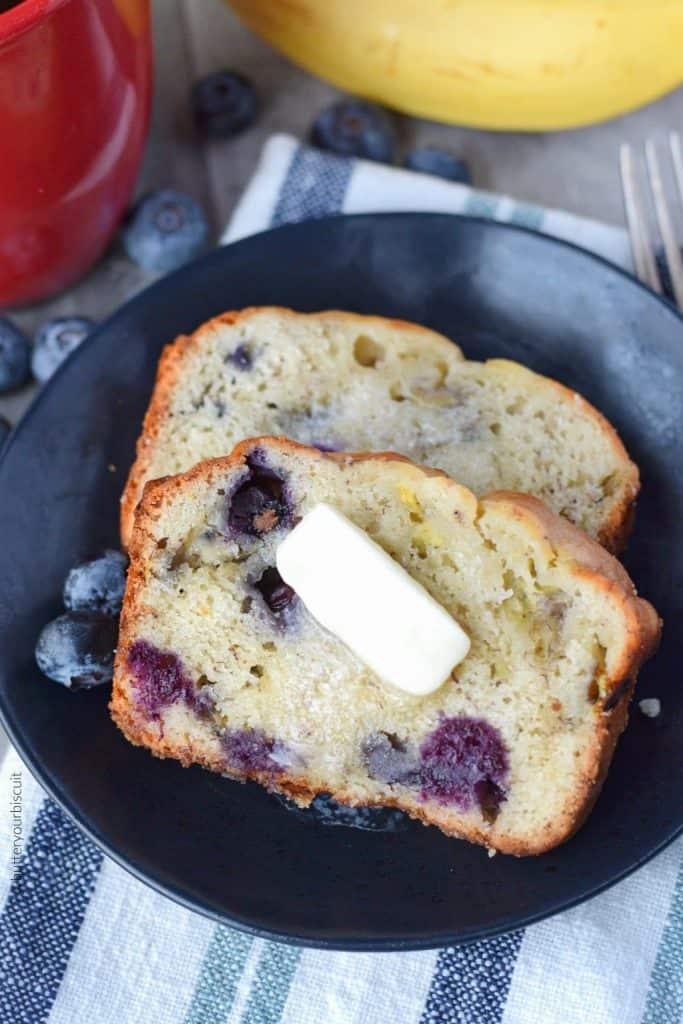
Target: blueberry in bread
{"type": "Point", "coordinates": [220, 663]}
{"type": "Point", "coordinates": [357, 383]}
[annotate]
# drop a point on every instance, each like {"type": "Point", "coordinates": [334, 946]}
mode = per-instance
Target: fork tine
{"type": "Point", "coordinates": [677, 160]}
{"type": "Point", "coordinates": [646, 268]}
{"type": "Point", "coordinates": [673, 253]}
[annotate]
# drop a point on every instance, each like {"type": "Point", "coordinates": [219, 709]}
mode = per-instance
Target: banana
{"type": "Point", "coordinates": [501, 64]}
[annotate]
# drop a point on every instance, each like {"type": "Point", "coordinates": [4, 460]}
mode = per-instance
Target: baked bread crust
{"type": "Point", "coordinates": [584, 562]}
{"type": "Point", "coordinates": [606, 516]}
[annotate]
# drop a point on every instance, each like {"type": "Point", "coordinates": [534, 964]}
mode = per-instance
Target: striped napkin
{"type": "Point", "coordinates": [81, 940]}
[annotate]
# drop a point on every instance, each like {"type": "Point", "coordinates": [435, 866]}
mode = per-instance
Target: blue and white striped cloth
{"type": "Point", "coordinates": [82, 941]}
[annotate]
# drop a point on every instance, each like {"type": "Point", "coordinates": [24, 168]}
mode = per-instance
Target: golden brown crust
{"type": "Point", "coordinates": [579, 554]}
{"type": "Point", "coordinates": [617, 529]}
{"type": "Point", "coordinates": [590, 559]}
{"type": "Point", "coordinates": [613, 534]}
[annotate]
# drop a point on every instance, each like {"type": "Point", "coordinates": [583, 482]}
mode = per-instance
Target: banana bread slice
{"type": "Point", "coordinates": [346, 382]}
{"type": "Point", "coordinates": [220, 663]}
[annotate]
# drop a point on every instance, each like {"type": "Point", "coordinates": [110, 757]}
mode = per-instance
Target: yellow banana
{"type": "Point", "coordinates": [504, 64]}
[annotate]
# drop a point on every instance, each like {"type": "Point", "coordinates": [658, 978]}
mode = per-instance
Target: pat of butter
{"type": "Point", "coordinates": [358, 592]}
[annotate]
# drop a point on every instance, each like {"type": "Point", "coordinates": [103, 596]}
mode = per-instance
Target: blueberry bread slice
{"type": "Point", "coordinates": [220, 663]}
{"type": "Point", "coordinates": [356, 383]}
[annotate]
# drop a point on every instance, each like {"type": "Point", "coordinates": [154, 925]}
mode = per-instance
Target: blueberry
{"type": "Point", "coordinates": [431, 160]}
{"type": "Point", "coordinates": [664, 274]}
{"type": "Point", "coordinates": [164, 230]}
{"type": "Point", "coordinates": [55, 340]}
{"type": "Point", "coordinates": [463, 762]}
{"type": "Point", "coordinates": [159, 680]}
{"type": "Point", "coordinates": [98, 585]}
{"type": "Point", "coordinates": [259, 503]}
{"type": "Point", "coordinates": [5, 428]}
{"type": "Point", "coordinates": [325, 811]}
{"type": "Point", "coordinates": [77, 650]}
{"type": "Point", "coordinates": [15, 357]}
{"type": "Point", "coordinates": [277, 594]}
{"type": "Point", "coordinates": [388, 760]}
{"type": "Point", "coordinates": [241, 358]}
{"type": "Point", "coordinates": [224, 103]}
{"type": "Point", "coordinates": [250, 750]}
{"type": "Point", "coordinates": [353, 127]}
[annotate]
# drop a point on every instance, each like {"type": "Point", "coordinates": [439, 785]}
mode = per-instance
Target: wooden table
{"type": "Point", "coordinates": [575, 170]}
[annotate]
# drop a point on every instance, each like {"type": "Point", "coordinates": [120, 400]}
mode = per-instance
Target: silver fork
{"type": "Point", "coordinates": [637, 220]}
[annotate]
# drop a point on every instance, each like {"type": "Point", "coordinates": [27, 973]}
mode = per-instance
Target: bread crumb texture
{"type": "Point", "coordinates": [345, 382]}
{"type": "Point", "coordinates": [219, 662]}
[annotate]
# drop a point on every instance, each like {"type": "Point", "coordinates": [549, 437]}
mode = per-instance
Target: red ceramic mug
{"type": "Point", "coordinates": [75, 88]}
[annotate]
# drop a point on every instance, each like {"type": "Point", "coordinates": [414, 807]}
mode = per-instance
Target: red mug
{"type": "Point", "coordinates": [75, 90]}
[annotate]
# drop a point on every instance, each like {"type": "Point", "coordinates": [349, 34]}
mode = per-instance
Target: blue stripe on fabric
{"type": "Point", "coordinates": [471, 983]}
{"type": "Point", "coordinates": [480, 205]}
{"type": "Point", "coordinates": [219, 977]}
{"type": "Point", "coordinates": [43, 914]}
{"type": "Point", "coordinates": [315, 185]}
{"type": "Point", "coordinates": [665, 996]}
{"type": "Point", "coordinates": [527, 215]}
{"type": "Point", "coordinates": [270, 987]}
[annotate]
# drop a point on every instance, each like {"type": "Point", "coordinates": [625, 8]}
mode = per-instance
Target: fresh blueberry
{"type": "Point", "coordinates": [164, 230]}
{"type": "Point", "coordinates": [664, 274]}
{"type": "Point", "coordinates": [250, 750]}
{"type": "Point", "coordinates": [277, 594]}
{"type": "Point", "coordinates": [441, 163]}
{"type": "Point", "coordinates": [159, 680]}
{"type": "Point", "coordinates": [463, 762]}
{"type": "Point", "coordinates": [55, 340]}
{"type": "Point", "coordinates": [15, 357]}
{"type": "Point", "coordinates": [353, 127]}
{"type": "Point", "coordinates": [224, 103]}
{"type": "Point", "coordinates": [77, 650]}
{"type": "Point", "coordinates": [98, 585]}
{"type": "Point", "coordinates": [259, 503]}
{"type": "Point", "coordinates": [388, 760]}
{"type": "Point", "coordinates": [5, 428]}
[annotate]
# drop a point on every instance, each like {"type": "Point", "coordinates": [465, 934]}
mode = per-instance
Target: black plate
{"type": "Point", "coordinates": [232, 851]}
